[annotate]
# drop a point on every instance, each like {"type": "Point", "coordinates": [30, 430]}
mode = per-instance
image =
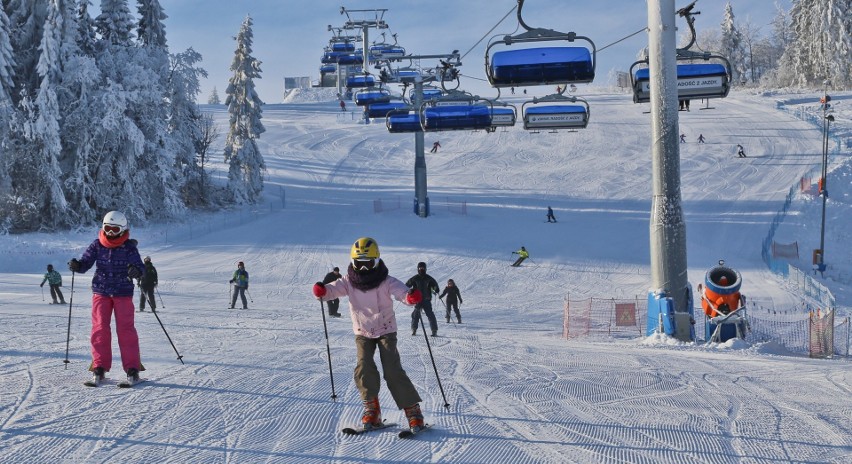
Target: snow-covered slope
{"type": "Point", "coordinates": [256, 384]}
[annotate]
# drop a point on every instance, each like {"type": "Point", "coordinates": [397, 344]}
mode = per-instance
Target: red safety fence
{"type": "Point", "coordinates": [608, 317]}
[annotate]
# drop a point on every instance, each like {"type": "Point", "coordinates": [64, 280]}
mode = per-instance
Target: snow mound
{"type": "Point", "coordinates": [312, 95]}
{"type": "Point", "coordinates": [657, 339]}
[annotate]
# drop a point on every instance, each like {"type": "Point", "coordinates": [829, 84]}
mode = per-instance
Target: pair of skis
{"type": "Point", "coordinates": [408, 433]}
{"type": "Point", "coordinates": [122, 384]}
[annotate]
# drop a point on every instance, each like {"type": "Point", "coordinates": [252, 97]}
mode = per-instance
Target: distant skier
{"type": "Point", "coordinates": [550, 216]}
{"type": "Point", "coordinates": [333, 305]}
{"type": "Point", "coordinates": [342, 105]}
{"type": "Point", "coordinates": [700, 138]}
{"type": "Point", "coordinates": [240, 279]}
{"type": "Point", "coordinates": [147, 284]}
{"type": "Point", "coordinates": [427, 287]}
{"type": "Point", "coordinates": [371, 292]}
{"type": "Point", "coordinates": [435, 147]}
{"type": "Point", "coordinates": [54, 279]}
{"type": "Point", "coordinates": [741, 151]}
{"type": "Point", "coordinates": [522, 255]}
{"type": "Point", "coordinates": [682, 138]}
{"type": "Point", "coordinates": [454, 299]}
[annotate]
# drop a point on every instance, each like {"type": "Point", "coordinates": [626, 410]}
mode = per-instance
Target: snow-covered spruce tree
{"type": "Point", "coordinates": [186, 123]}
{"type": "Point", "coordinates": [246, 165]}
{"type": "Point", "coordinates": [165, 148]}
{"type": "Point", "coordinates": [7, 63]}
{"type": "Point", "coordinates": [115, 23]}
{"type": "Point", "coordinates": [26, 18]}
{"type": "Point", "coordinates": [732, 45]}
{"type": "Point", "coordinates": [821, 47]}
{"type": "Point", "coordinates": [85, 29]}
{"type": "Point", "coordinates": [214, 98]}
{"type": "Point", "coordinates": [151, 30]}
{"type": "Point", "coordinates": [7, 83]}
{"type": "Point", "coordinates": [44, 186]}
{"type": "Point", "coordinates": [130, 162]}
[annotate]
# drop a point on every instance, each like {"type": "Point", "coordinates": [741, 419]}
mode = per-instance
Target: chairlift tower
{"type": "Point", "coordinates": [377, 22]}
{"type": "Point", "coordinates": [421, 204]}
{"type": "Point", "coordinates": [670, 298]}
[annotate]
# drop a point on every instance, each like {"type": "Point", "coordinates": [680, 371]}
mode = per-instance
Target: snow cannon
{"type": "Point", "coordinates": [723, 304]}
{"type": "Point", "coordinates": [721, 292]}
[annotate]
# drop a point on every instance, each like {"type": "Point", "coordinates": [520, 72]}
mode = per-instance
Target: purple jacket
{"type": "Point", "coordinates": [111, 272]}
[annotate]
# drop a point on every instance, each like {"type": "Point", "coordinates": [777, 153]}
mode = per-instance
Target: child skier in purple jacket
{"type": "Point", "coordinates": [117, 261]}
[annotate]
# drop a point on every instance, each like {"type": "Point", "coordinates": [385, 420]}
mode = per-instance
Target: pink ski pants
{"type": "Point", "coordinates": [128, 341]}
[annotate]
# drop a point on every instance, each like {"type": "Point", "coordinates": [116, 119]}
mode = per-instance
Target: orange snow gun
{"type": "Point", "coordinates": [720, 294]}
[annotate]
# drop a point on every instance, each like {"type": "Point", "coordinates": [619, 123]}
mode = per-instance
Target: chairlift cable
{"type": "Point", "coordinates": [489, 31]}
{"type": "Point", "coordinates": [623, 38]}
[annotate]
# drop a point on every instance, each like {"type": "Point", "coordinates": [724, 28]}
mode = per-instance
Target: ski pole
{"type": "Point", "coordinates": [230, 294]}
{"type": "Point", "coordinates": [179, 357]}
{"type": "Point", "coordinates": [327, 350]}
{"type": "Point", "coordinates": [249, 294]}
{"type": "Point", "coordinates": [162, 305]}
{"type": "Point", "coordinates": [68, 336]}
{"type": "Point", "coordinates": [423, 326]}
{"type": "Point", "coordinates": [42, 292]}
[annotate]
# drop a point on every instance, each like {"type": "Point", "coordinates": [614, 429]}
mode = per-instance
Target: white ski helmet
{"type": "Point", "coordinates": [115, 224]}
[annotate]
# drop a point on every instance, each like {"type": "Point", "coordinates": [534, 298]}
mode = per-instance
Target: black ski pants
{"type": "Point", "coordinates": [426, 306]}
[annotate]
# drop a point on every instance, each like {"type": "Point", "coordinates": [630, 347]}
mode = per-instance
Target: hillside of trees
{"type": "Point", "coordinates": [97, 114]}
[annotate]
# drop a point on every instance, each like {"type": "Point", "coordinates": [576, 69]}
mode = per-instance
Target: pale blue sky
{"type": "Point", "coordinates": [289, 35]}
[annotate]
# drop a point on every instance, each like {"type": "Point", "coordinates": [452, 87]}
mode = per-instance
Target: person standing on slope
{"type": "Point", "coordinates": [333, 305]}
{"type": "Point", "coordinates": [550, 216]}
{"type": "Point", "coordinates": [54, 279]}
{"type": "Point", "coordinates": [117, 262]}
{"type": "Point", "coordinates": [147, 284]}
{"type": "Point", "coordinates": [522, 255]}
{"type": "Point", "coordinates": [371, 292]}
{"type": "Point", "coordinates": [454, 299]}
{"type": "Point", "coordinates": [240, 279]}
{"type": "Point", "coordinates": [427, 287]}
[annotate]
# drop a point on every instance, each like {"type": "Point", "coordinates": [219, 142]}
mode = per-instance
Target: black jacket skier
{"type": "Point", "coordinates": [333, 305]}
{"type": "Point", "coordinates": [454, 299]}
{"type": "Point", "coordinates": [146, 284]}
{"type": "Point", "coordinates": [427, 286]}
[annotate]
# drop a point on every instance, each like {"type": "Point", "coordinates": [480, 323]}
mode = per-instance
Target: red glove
{"type": "Point", "coordinates": [319, 290]}
{"type": "Point", "coordinates": [413, 297]}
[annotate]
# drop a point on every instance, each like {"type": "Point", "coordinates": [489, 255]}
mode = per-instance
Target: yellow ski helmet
{"type": "Point", "coordinates": [364, 254]}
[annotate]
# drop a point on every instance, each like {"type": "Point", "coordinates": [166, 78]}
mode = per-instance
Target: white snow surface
{"type": "Point", "coordinates": [255, 386]}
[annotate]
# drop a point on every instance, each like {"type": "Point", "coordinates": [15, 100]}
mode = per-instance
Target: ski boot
{"type": "Point", "coordinates": [372, 416]}
{"type": "Point", "coordinates": [132, 376]}
{"type": "Point", "coordinates": [415, 418]}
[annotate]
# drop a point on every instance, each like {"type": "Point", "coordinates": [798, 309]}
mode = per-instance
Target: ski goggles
{"type": "Point", "coordinates": [112, 230]}
{"type": "Point", "coordinates": [364, 264]}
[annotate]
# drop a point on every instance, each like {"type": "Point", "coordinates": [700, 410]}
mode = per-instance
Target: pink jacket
{"type": "Point", "coordinates": [372, 311]}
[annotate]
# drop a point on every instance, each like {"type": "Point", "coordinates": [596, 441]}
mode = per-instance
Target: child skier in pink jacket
{"type": "Point", "coordinates": [371, 292]}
